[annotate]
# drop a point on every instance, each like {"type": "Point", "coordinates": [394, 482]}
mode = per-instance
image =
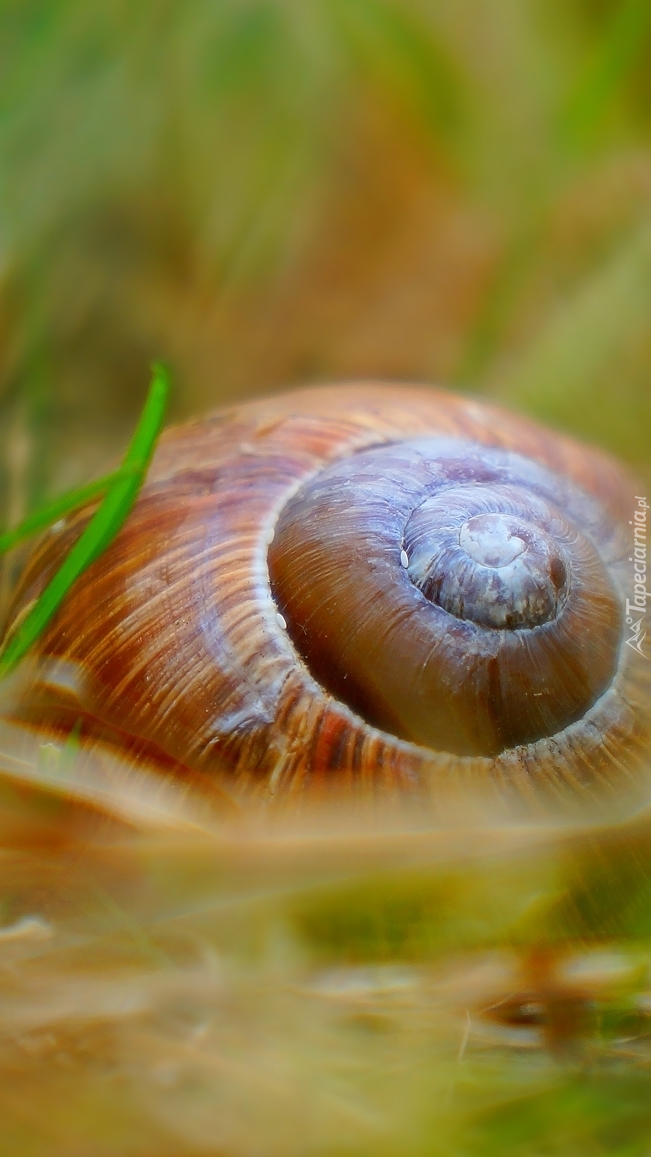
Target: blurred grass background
{"type": "Point", "coordinates": [270, 192]}
{"type": "Point", "coordinates": [267, 193]}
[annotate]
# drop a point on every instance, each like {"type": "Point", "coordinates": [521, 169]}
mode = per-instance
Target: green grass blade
{"type": "Point", "coordinates": [57, 509]}
{"type": "Point", "coordinates": [103, 526]}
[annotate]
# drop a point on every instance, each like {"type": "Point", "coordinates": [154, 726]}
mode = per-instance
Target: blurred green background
{"type": "Point", "coordinates": [271, 192]}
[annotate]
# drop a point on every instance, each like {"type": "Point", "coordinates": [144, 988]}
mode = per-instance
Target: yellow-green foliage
{"type": "Point", "coordinates": [264, 192]}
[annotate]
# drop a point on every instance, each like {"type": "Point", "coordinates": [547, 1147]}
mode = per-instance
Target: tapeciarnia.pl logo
{"type": "Point", "coordinates": [635, 620]}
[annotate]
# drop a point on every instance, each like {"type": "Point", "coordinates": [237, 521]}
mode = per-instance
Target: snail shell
{"type": "Point", "coordinates": [361, 586]}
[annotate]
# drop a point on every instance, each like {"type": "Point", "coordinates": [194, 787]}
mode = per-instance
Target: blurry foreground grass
{"type": "Point", "coordinates": [172, 985]}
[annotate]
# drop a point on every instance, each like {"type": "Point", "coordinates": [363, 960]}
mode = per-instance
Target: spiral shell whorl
{"type": "Point", "coordinates": [469, 653]}
{"type": "Point", "coordinates": [496, 568]}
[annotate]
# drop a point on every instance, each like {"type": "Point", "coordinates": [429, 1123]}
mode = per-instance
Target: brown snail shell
{"type": "Point", "coordinates": [360, 586]}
